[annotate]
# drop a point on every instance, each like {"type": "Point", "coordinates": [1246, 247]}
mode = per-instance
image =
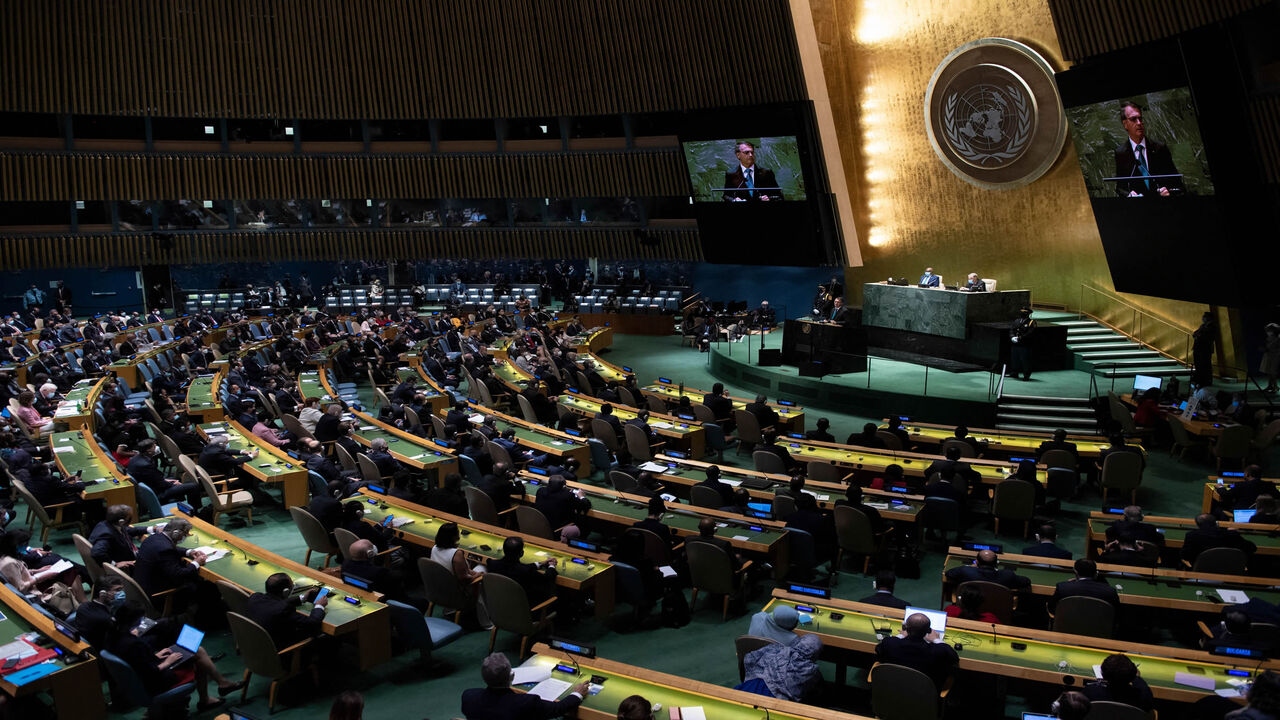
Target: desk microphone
{"type": "Point", "coordinates": [248, 560]}
{"type": "Point", "coordinates": [765, 709]}
{"type": "Point", "coordinates": [995, 636]}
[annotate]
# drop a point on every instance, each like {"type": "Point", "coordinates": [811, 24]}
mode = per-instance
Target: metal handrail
{"type": "Point", "coordinates": [1139, 315]}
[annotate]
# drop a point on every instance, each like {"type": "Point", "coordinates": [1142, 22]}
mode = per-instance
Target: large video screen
{"type": "Point", "coordinates": [1144, 145]}
{"type": "Point", "coordinates": [754, 169]}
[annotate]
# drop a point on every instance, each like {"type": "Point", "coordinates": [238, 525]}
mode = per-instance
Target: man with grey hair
{"type": "Point", "coordinates": [381, 456]}
{"type": "Point", "coordinates": [497, 701]}
{"type": "Point", "coordinates": [163, 565]}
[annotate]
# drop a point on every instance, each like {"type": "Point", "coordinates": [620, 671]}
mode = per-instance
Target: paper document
{"type": "Point", "coordinates": [667, 571]}
{"type": "Point", "coordinates": [533, 674]}
{"type": "Point", "coordinates": [400, 522]}
{"type": "Point", "coordinates": [1229, 692]}
{"type": "Point", "coordinates": [877, 505]}
{"type": "Point", "coordinates": [64, 449]}
{"type": "Point", "coordinates": [730, 482]}
{"type": "Point", "coordinates": [652, 466]}
{"type": "Point", "coordinates": [692, 713]}
{"type": "Point", "coordinates": [741, 538]}
{"type": "Point", "coordinates": [550, 689]}
{"type": "Point", "coordinates": [18, 649]}
{"type": "Point", "coordinates": [211, 554]}
{"type": "Point", "coordinates": [477, 419]}
{"type": "Point", "coordinates": [662, 425]}
{"type": "Point", "coordinates": [1233, 597]}
{"type": "Point", "coordinates": [61, 566]}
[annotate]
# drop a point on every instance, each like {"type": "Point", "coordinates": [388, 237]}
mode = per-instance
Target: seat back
{"type": "Point", "coordinates": [1109, 710]}
{"type": "Point", "coordinates": [853, 531]}
{"type": "Point", "coordinates": [344, 537]}
{"type": "Point", "coordinates": [1059, 459]}
{"type": "Point", "coordinates": [127, 687]}
{"type": "Point", "coordinates": [902, 693]}
{"type": "Point", "coordinates": [637, 443]}
{"type": "Point", "coordinates": [623, 482]}
{"type": "Point", "coordinates": [1082, 615]}
{"type": "Point", "coordinates": [768, 462]}
{"type": "Point", "coordinates": [531, 521]}
{"type": "Point", "coordinates": [295, 426]}
{"type": "Point", "coordinates": [31, 502]}
{"type": "Point", "coordinates": [656, 404]}
{"type": "Point", "coordinates": [803, 549]}
{"type": "Point", "coordinates": [891, 441]}
{"type": "Point", "coordinates": [437, 424]}
{"type": "Point", "coordinates": [655, 548]}
{"type": "Point", "coordinates": [744, 644]}
{"type": "Point", "coordinates": [783, 506]}
{"type": "Point", "coordinates": [1179, 431]}
{"type": "Point", "coordinates": [133, 591]}
{"type": "Point", "coordinates": [997, 599]}
{"type": "Point", "coordinates": [499, 454]}
{"type": "Point", "coordinates": [368, 470]}
{"type": "Point", "coordinates": [710, 568]}
{"type": "Point", "coordinates": [470, 469]}
{"type": "Point", "coordinates": [85, 548]}
{"type": "Point", "coordinates": [603, 431]}
{"type": "Point", "coordinates": [627, 397]}
{"type": "Point", "coordinates": [819, 471]}
{"type": "Point", "coordinates": [1234, 442]}
{"type": "Point", "coordinates": [940, 513]}
{"type": "Point", "coordinates": [1122, 471]}
{"type": "Point", "coordinates": [411, 418]}
{"type": "Point", "coordinates": [1222, 561]}
{"type": "Point", "coordinates": [508, 604]}
{"type": "Point", "coordinates": [966, 450]}
{"type": "Point", "coordinates": [1014, 500]}
{"type": "Point", "coordinates": [148, 501]}
{"type": "Point", "coordinates": [344, 458]}
{"type": "Point", "coordinates": [480, 506]}
{"type": "Point", "coordinates": [313, 533]}
{"type": "Point", "coordinates": [258, 652]}
{"type": "Point", "coordinates": [441, 587]}
{"type": "Point", "coordinates": [234, 596]}
{"type": "Point", "coordinates": [703, 496]}
{"type": "Point", "coordinates": [703, 413]}
{"type": "Point", "coordinates": [748, 427]}
{"type": "Point", "coordinates": [526, 408]}
{"type": "Point", "coordinates": [601, 461]}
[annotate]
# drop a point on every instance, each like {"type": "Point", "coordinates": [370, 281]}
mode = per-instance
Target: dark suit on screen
{"type": "Point", "coordinates": [1159, 162]}
{"type": "Point", "coordinates": [764, 178]}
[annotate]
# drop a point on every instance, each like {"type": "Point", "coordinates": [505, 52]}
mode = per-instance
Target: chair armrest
{"type": "Point", "coordinates": [744, 567]}
{"type": "Point", "coordinates": [946, 687]}
{"type": "Point", "coordinates": [506, 512]}
{"type": "Point", "coordinates": [294, 646]}
{"type": "Point", "coordinates": [1204, 629]}
{"type": "Point", "coordinates": [677, 546]}
{"type": "Point", "coordinates": [59, 505]}
{"type": "Point", "coordinates": [1186, 564]}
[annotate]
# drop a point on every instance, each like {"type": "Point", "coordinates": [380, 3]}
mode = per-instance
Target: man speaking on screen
{"type": "Point", "coordinates": [1139, 157]}
{"type": "Point", "coordinates": [748, 182]}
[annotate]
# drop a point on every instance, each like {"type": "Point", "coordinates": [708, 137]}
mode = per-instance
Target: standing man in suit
{"type": "Point", "coordinates": [1139, 157]}
{"type": "Point", "coordinates": [928, 279]}
{"type": "Point", "coordinates": [840, 314]}
{"type": "Point", "coordinates": [744, 180]}
{"type": "Point", "coordinates": [497, 701]}
{"type": "Point", "coordinates": [1019, 344]}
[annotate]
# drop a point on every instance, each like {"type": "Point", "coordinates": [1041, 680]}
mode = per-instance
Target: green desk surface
{"type": "Point", "coordinates": [591, 407]}
{"type": "Point", "coordinates": [619, 686]}
{"type": "Point", "coordinates": [872, 460]}
{"type": "Point", "coordinates": [235, 568]}
{"type": "Point", "coordinates": [1136, 587]}
{"type": "Point", "coordinates": [1029, 443]}
{"type": "Point", "coordinates": [82, 457]}
{"type": "Point", "coordinates": [604, 369]}
{"type": "Point", "coordinates": [200, 393]}
{"type": "Point", "coordinates": [1040, 655]}
{"type": "Point", "coordinates": [684, 518]}
{"type": "Point", "coordinates": [266, 463]}
{"type": "Point", "coordinates": [696, 396]}
{"type": "Point", "coordinates": [537, 435]}
{"type": "Point", "coordinates": [78, 395]}
{"type": "Point", "coordinates": [508, 373]}
{"type": "Point", "coordinates": [426, 524]}
{"type": "Point", "coordinates": [1175, 533]}
{"type": "Point", "coordinates": [415, 449]}
{"type": "Point", "coordinates": [139, 357]}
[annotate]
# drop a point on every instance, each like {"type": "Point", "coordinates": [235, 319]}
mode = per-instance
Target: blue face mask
{"type": "Point", "coordinates": [117, 599]}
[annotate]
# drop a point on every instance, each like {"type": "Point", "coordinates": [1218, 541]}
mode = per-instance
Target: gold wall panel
{"type": "Point", "coordinates": [910, 210]}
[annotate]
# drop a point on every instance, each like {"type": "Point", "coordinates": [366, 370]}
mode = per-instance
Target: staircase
{"type": "Point", "coordinates": [1034, 413]}
{"type": "Point", "coordinates": [1104, 352]}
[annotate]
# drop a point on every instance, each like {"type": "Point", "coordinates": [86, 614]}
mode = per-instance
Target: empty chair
{"type": "Point", "coordinates": [711, 569]}
{"type": "Point", "coordinates": [854, 535]}
{"type": "Point", "coordinates": [224, 501]}
{"type": "Point", "coordinates": [1014, 500]}
{"type": "Point", "coordinates": [233, 596]}
{"type": "Point", "coordinates": [715, 439]}
{"type": "Point", "coordinates": [940, 513]}
{"type": "Point", "coordinates": [819, 471]}
{"type": "Point", "coordinates": [1108, 710]}
{"type": "Point", "coordinates": [601, 460]}
{"type": "Point", "coordinates": [748, 430]}
{"type": "Point", "coordinates": [314, 535]}
{"type": "Point", "coordinates": [1121, 472]}
{"type": "Point", "coordinates": [531, 521]}
{"type": "Point", "coordinates": [655, 548]}
{"type": "Point", "coordinates": [768, 462]}
{"type": "Point", "coordinates": [623, 482]}
{"type": "Point", "coordinates": [509, 609]}
{"type": "Point", "coordinates": [260, 656]}
{"type": "Point", "coordinates": [526, 409]}
{"type": "Point", "coordinates": [656, 404]}
{"type": "Point", "coordinates": [47, 521]}
{"type": "Point", "coordinates": [442, 589]}
{"type": "Point", "coordinates": [703, 496]}
{"type": "Point", "coordinates": [783, 506]}
{"type": "Point", "coordinates": [481, 508]}
{"type": "Point", "coordinates": [902, 693]}
{"type": "Point", "coordinates": [1233, 444]}
{"type": "Point", "coordinates": [1183, 440]}
{"type": "Point", "coordinates": [413, 629]}
{"type": "Point", "coordinates": [344, 458]}
{"type": "Point", "coordinates": [1082, 615]}
{"type": "Point", "coordinates": [1221, 561]}
{"type": "Point", "coordinates": [605, 433]}
{"type": "Point", "coordinates": [637, 443]}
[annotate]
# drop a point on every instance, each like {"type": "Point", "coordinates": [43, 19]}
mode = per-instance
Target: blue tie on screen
{"type": "Point", "coordinates": [833, 313]}
{"type": "Point", "coordinates": [751, 183]}
{"type": "Point", "coordinates": [1142, 166]}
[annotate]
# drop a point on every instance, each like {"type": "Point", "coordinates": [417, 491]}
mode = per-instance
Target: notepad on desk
{"type": "Point", "coordinates": [210, 554]}
{"type": "Point", "coordinates": [64, 449]}
{"type": "Point", "coordinates": [550, 689]}
{"type": "Point", "coordinates": [532, 674]}
{"type": "Point", "coordinates": [653, 467]}
{"type": "Point", "coordinates": [688, 713]}
{"type": "Point", "coordinates": [1232, 597]}
{"type": "Point", "coordinates": [662, 425]}
{"type": "Point", "coordinates": [400, 522]}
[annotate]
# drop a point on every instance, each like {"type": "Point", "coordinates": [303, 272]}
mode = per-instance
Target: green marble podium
{"type": "Point", "coordinates": [930, 311]}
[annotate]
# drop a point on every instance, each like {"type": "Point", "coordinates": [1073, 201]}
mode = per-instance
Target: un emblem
{"type": "Point", "coordinates": [993, 113]}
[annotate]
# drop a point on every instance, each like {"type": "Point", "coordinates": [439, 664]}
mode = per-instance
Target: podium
{"type": "Point", "coordinates": [839, 348]}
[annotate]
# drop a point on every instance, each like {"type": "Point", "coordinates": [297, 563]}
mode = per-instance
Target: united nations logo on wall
{"type": "Point", "coordinates": [994, 115]}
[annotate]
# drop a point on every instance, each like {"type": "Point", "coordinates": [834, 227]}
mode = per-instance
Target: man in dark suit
{"type": "Point", "coordinates": [1244, 493]}
{"type": "Point", "coordinates": [142, 468]}
{"type": "Point", "coordinates": [1209, 535]}
{"type": "Point", "coordinates": [984, 568]}
{"type": "Point", "coordinates": [459, 417]}
{"type": "Point", "coordinates": [745, 178]}
{"type": "Point", "coordinates": [957, 466]}
{"type": "Point", "coordinates": [1124, 550]}
{"type": "Point", "coordinates": [883, 596]}
{"type": "Point", "coordinates": [867, 438]}
{"type": "Point", "coordinates": [820, 432]}
{"type": "Point", "coordinates": [560, 504]}
{"type": "Point", "coordinates": [928, 279]}
{"type": "Point", "coordinates": [1132, 525]}
{"type": "Point", "coordinates": [840, 314]}
{"type": "Point", "coordinates": [162, 565]}
{"type": "Point", "coordinates": [766, 415]}
{"type": "Point", "coordinates": [853, 498]}
{"type": "Point", "coordinates": [943, 487]}
{"type": "Point", "coordinates": [538, 579]}
{"type": "Point", "coordinates": [713, 481]}
{"type": "Point", "coordinates": [1086, 583]}
{"type": "Point", "coordinates": [276, 610]}
{"type": "Point", "coordinates": [606, 414]}
{"type": "Point", "coordinates": [497, 701]}
{"type": "Point", "coordinates": [771, 445]}
{"type": "Point", "coordinates": [1138, 157]}
{"type": "Point", "coordinates": [707, 534]}
{"type": "Point", "coordinates": [500, 486]}
{"type": "Point", "coordinates": [653, 521]}
{"type": "Point", "coordinates": [721, 406]}
{"type": "Point", "coordinates": [218, 460]}
{"type": "Point", "coordinates": [1059, 442]}
{"type": "Point", "coordinates": [328, 426]}
{"type": "Point", "coordinates": [93, 618]}
{"type": "Point", "coordinates": [919, 650]}
{"type": "Point", "coordinates": [113, 539]}
{"type": "Point", "coordinates": [1045, 545]}
{"type": "Point", "coordinates": [362, 564]}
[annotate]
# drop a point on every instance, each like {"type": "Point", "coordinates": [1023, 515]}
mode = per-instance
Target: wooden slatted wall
{"type": "Point", "coordinates": [1093, 27]}
{"type": "Point", "coordinates": [169, 176]}
{"type": "Point", "coordinates": [398, 58]}
{"type": "Point", "coordinates": [18, 253]}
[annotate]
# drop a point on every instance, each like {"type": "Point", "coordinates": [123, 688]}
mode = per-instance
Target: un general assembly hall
{"type": "Point", "coordinates": [641, 359]}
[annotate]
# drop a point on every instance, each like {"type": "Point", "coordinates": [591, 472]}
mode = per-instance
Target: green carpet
{"type": "Point", "coordinates": [704, 649]}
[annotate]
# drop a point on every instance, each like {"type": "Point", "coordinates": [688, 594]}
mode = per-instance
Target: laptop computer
{"type": "Point", "coordinates": [1243, 516]}
{"type": "Point", "coordinates": [937, 618]}
{"type": "Point", "coordinates": [188, 643]}
{"type": "Point", "coordinates": [1036, 716]}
